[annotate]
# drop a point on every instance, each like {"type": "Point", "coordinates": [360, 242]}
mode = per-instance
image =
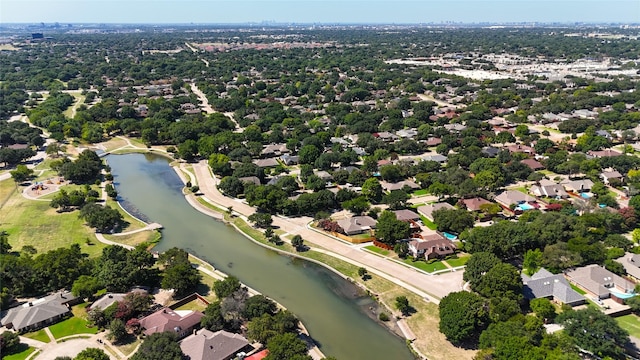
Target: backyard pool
{"type": "Point", "coordinates": [524, 207]}
{"type": "Point", "coordinates": [449, 236]}
{"type": "Point", "coordinates": [623, 296]}
{"type": "Point", "coordinates": [585, 195]}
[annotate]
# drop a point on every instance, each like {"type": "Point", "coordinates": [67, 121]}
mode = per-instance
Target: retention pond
{"type": "Point", "coordinates": [329, 306]}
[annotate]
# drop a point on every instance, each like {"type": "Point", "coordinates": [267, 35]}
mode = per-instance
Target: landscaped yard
{"type": "Point", "coordinates": [631, 323]}
{"type": "Point", "coordinates": [460, 261]}
{"type": "Point", "coordinates": [39, 335]}
{"type": "Point", "coordinates": [378, 250]}
{"type": "Point", "coordinates": [420, 192]}
{"type": "Point", "coordinates": [71, 326]}
{"type": "Point", "coordinates": [21, 352]}
{"type": "Point", "coordinates": [196, 304]}
{"type": "Point", "coordinates": [431, 267]}
{"type": "Point", "coordinates": [428, 223]}
{"type": "Point", "coordinates": [578, 290]}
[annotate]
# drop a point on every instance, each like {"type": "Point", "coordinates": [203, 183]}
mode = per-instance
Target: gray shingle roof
{"type": "Point", "coordinates": [207, 345]}
{"type": "Point", "coordinates": [544, 284]}
{"type": "Point", "coordinates": [37, 311]}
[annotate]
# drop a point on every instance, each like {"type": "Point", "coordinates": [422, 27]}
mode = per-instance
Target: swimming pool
{"type": "Point", "coordinates": [449, 236]}
{"type": "Point", "coordinates": [623, 296]}
{"type": "Point", "coordinates": [585, 195]}
{"type": "Point", "coordinates": [524, 207]}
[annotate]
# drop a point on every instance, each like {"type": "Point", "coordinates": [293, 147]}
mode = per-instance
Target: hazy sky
{"type": "Point", "coordinates": [309, 11]}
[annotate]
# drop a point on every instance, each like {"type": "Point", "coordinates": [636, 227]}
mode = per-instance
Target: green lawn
{"type": "Point", "coordinates": [39, 335]}
{"type": "Point", "coordinates": [34, 223]}
{"type": "Point", "coordinates": [420, 192]}
{"type": "Point", "coordinates": [71, 326]}
{"type": "Point", "coordinates": [197, 304]}
{"type": "Point", "coordinates": [435, 266]}
{"type": "Point", "coordinates": [20, 352]}
{"type": "Point", "coordinates": [578, 290]}
{"type": "Point", "coordinates": [460, 261]}
{"type": "Point", "coordinates": [631, 323]}
{"type": "Point", "coordinates": [378, 250]}
{"type": "Point", "coordinates": [428, 223]}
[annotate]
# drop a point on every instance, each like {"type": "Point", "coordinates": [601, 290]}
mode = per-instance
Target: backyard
{"type": "Point", "coordinates": [19, 352]}
{"type": "Point", "coordinates": [631, 323]}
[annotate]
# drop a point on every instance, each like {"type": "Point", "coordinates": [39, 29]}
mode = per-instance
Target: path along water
{"type": "Point", "coordinates": [333, 314]}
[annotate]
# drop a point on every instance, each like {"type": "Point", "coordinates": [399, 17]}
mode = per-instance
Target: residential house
{"type": "Point", "coordinates": [490, 151]}
{"type": "Point", "coordinates": [399, 185]}
{"type": "Point", "coordinates": [631, 263]}
{"type": "Point", "coordinates": [433, 141]}
{"type": "Point", "coordinates": [324, 175]}
{"type": "Point", "coordinates": [473, 204]}
{"type": "Point", "coordinates": [435, 157]}
{"type": "Point", "coordinates": [600, 282]}
{"type": "Point", "coordinates": [106, 300]}
{"type": "Point", "coordinates": [406, 215]}
{"type": "Point", "coordinates": [513, 197]}
{"type": "Point", "coordinates": [427, 210]}
{"type": "Point", "coordinates": [544, 284]}
{"type": "Point", "coordinates": [608, 176]}
{"type": "Point", "coordinates": [430, 247]}
{"type": "Point", "coordinates": [578, 186]}
{"type": "Point", "coordinates": [220, 345]}
{"type": "Point", "coordinates": [455, 127]}
{"type": "Point", "coordinates": [407, 133]}
{"type": "Point", "coordinates": [181, 322]}
{"type": "Point", "coordinates": [604, 153]}
{"type": "Point", "coordinates": [39, 313]}
{"type": "Point", "coordinates": [272, 150]}
{"type": "Point", "coordinates": [548, 188]}
{"type": "Point", "coordinates": [519, 148]}
{"type": "Point", "coordinates": [357, 224]}
{"type": "Point", "coordinates": [533, 164]}
{"type": "Point", "coordinates": [605, 134]}
{"type": "Point", "coordinates": [266, 163]}
{"type": "Point", "coordinates": [289, 160]}
{"type": "Point", "coordinates": [250, 179]}
{"type": "Point", "coordinates": [386, 136]}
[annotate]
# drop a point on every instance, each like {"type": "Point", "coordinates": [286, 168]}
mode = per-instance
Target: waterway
{"type": "Point", "coordinates": [334, 315]}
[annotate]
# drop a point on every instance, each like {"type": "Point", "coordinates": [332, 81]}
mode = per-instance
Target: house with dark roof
{"type": "Point", "coordinates": [39, 313]}
{"type": "Point", "coordinates": [490, 151]}
{"type": "Point", "coordinates": [220, 345]}
{"type": "Point", "coordinates": [107, 300]}
{"type": "Point", "coordinates": [250, 179]}
{"type": "Point", "coordinates": [544, 284]}
{"type": "Point", "coordinates": [289, 160]}
{"type": "Point", "coordinates": [180, 322]}
{"type": "Point", "coordinates": [431, 246]}
{"type": "Point", "coordinates": [599, 281]}
{"type": "Point", "coordinates": [357, 224]}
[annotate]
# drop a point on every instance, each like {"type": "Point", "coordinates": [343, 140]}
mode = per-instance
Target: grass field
{"type": "Point", "coordinates": [631, 323]}
{"type": "Point", "coordinates": [420, 192]}
{"type": "Point", "coordinates": [431, 267]}
{"type": "Point", "coordinates": [428, 223]}
{"type": "Point", "coordinates": [79, 99]}
{"type": "Point", "coordinates": [138, 238]}
{"type": "Point", "coordinates": [197, 304]}
{"type": "Point", "coordinates": [133, 223]}
{"type": "Point", "coordinates": [34, 223]}
{"type": "Point", "coordinates": [378, 250]}
{"type": "Point", "coordinates": [20, 352]}
{"type": "Point", "coordinates": [39, 335]}
{"type": "Point", "coordinates": [71, 326]}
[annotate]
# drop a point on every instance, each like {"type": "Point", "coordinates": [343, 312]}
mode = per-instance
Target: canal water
{"type": "Point", "coordinates": [334, 315]}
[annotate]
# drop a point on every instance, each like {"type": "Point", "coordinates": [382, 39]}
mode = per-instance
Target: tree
{"type": "Point", "coordinates": [544, 309]}
{"type": "Point", "coordinates": [117, 330]}
{"type": "Point", "coordinates": [262, 220]}
{"type": "Point", "coordinates": [479, 264]}
{"type": "Point", "coordinates": [8, 339]}
{"type": "Point", "coordinates": [220, 164]}
{"type": "Point", "coordinates": [183, 278]}
{"type": "Point", "coordinates": [226, 287]}
{"type": "Point", "coordinates": [402, 304]}
{"type": "Point", "coordinates": [389, 229]}
{"type": "Point", "coordinates": [594, 331]}
{"type": "Point", "coordinates": [356, 205]}
{"type": "Point", "coordinates": [502, 280]}
{"type": "Point", "coordinates": [102, 218]}
{"type": "Point", "coordinates": [454, 220]}
{"type": "Point", "coordinates": [532, 261]}
{"type": "Point", "coordinates": [92, 354]}
{"type": "Point", "coordinates": [362, 272]}
{"type": "Point", "coordinates": [286, 346]}
{"type": "Point", "coordinates": [463, 315]}
{"type": "Point", "coordinates": [257, 306]}
{"type": "Point", "coordinates": [85, 286]}
{"type": "Point", "coordinates": [213, 320]}
{"type": "Point", "coordinates": [21, 174]}
{"type": "Point", "coordinates": [372, 190]}
{"type": "Point", "coordinates": [159, 346]}
{"type": "Point", "coordinates": [297, 242]}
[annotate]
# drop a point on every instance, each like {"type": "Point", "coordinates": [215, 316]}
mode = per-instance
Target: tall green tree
{"type": "Point", "coordinates": [463, 316]}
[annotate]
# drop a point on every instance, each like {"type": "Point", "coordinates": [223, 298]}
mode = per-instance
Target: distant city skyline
{"type": "Point", "coordinates": [317, 11]}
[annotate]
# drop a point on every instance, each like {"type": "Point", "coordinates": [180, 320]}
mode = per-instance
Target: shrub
{"type": "Point", "coordinates": [383, 317]}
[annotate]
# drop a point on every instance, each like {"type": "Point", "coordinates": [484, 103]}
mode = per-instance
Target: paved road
{"type": "Point", "coordinates": [428, 286]}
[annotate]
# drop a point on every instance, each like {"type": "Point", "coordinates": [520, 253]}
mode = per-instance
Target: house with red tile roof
{"type": "Point", "coordinates": [180, 322]}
